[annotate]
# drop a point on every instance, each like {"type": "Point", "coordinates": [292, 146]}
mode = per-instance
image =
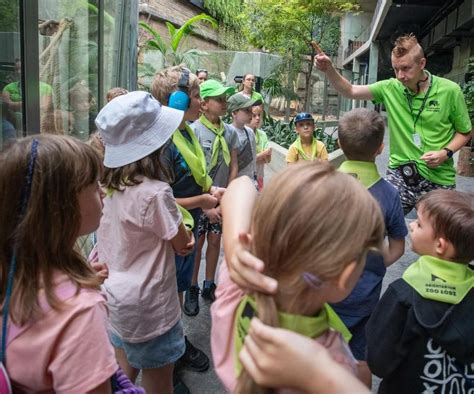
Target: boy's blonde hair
{"type": "Point", "coordinates": [166, 82]}
{"type": "Point", "coordinates": [451, 214]}
{"type": "Point", "coordinates": [360, 134]}
{"type": "Point", "coordinates": [310, 221]}
{"type": "Point", "coordinates": [115, 92]}
{"type": "Point", "coordinates": [408, 43]}
{"type": "Point", "coordinates": [46, 235]}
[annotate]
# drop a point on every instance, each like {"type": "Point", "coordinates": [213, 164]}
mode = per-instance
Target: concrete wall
{"type": "Point", "coordinates": [178, 13]}
{"type": "Point", "coordinates": [461, 53]}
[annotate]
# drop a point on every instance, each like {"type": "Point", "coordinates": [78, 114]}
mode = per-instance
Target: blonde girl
{"type": "Point", "coordinates": [312, 226]}
{"type": "Point", "coordinates": [56, 312]}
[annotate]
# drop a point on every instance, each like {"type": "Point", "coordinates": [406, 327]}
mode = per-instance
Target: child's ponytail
{"type": "Point", "coordinates": [308, 225]}
{"type": "Point", "coordinates": [268, 314]}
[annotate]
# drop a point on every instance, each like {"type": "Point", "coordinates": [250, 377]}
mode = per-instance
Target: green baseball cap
{"type": "Point", "coordinates": [239, 101]}
{"type": "Point", "coordinates": [213, 88]}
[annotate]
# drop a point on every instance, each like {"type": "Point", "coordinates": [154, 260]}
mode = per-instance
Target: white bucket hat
{"type": "Point", "coordinates": [133, 126]}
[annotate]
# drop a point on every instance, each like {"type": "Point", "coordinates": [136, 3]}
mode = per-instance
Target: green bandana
{"type": "Point", "coordinates": [188, 219]}
{"type": "Point", "coordinates": [302, 153]}
{"type": "Point", "coordinates": [364, 171]}
{"type": "Point", "coordinates": [440, 280]}
{"type": "Point", "coordinates": [194, 157]}
{"type": "Point", "coordinates": [218, 142]}
{"type": "Point", "coordinates": [261, 140]}
{"type": "Point", "coordinates": [309, 326]}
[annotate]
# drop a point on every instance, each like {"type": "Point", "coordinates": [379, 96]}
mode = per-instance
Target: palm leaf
{"type": "Point", "coordinates": [157, 39]}
{"type": "Point", "coordinates": [171, 29]}
{"type": "Point", "coordinates": [185, 29]}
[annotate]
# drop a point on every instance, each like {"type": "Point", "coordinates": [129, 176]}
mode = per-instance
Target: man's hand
{"type": "Point", "coordinates": [435, 158]}
{"type": "Point", "coordinates": [208, 201]}
{"type": "Point", "coordinates": [246, 270]}
{"type": "Point", "coordinates": [322, 62]}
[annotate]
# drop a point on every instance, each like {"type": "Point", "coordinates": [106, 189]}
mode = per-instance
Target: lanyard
{"type": "Point", "coordinates": [422, 107]}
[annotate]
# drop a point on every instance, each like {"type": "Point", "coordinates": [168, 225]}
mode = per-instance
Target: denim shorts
{"type": "Point", "coordinates": [155, 353]}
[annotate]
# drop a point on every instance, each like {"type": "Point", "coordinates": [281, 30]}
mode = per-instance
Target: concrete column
{"type": "Point", "coordinates": [355, 79]}
{"type": "Point", "coordinates": [346, 103]}
{"type": "Point", "coordinates": [373, 67]}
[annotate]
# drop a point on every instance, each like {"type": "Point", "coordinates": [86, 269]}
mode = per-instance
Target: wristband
{"type": "Point", "coordinates": [449, 152]}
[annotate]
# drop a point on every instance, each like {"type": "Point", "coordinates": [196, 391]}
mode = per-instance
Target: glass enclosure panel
{"type": "Point", "coordinates": [11, 125]}
{"type": "Point", "coordinates": [68, 54]}
{"type": "Point", "coordinates": [120, 33]}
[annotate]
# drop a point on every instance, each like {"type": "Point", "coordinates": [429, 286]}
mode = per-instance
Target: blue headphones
{"type": "Point", "coordinates": [179, 99]}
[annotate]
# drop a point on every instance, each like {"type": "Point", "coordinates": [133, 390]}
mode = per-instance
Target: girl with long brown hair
{"type": "Point", "coordinates": [56, 335]}
{"type": "Point", "coordinates": [312, 226]}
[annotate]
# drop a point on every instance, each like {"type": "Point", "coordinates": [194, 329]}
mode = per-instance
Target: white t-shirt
{"type": "Point", "coordinates": [134, 240]}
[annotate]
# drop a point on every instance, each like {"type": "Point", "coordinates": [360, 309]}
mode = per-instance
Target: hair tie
{"type": "Point", "coordinates": [25, 196]}
{"type": "Point", "coordinates": [312, 280]}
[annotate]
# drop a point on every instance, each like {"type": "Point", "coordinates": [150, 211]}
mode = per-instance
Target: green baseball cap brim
{"type": "Point", "coordinates": [239, 101]}
{"type": "Point", "coordinates": [213, 88]}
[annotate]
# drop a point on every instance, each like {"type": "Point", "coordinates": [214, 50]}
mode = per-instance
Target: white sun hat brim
{"type": "Point", "coordinates": [135, 125]}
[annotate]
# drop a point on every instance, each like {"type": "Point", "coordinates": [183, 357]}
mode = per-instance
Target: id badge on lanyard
{"type": "Point", "coordinates": [416, 136]}
{"type": "Point", "coordinates": [417, 139]}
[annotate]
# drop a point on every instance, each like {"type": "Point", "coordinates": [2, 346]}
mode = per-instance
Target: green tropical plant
{"type": "Point", "coordinates": [468, 88]}
{"type": "Point", "coordinates": [287, 27]}
{"type": "Point", "coordinates": [171, 51]}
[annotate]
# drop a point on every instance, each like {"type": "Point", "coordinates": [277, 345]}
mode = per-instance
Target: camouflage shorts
{"type": "Point", "coordinates": [409, 195]}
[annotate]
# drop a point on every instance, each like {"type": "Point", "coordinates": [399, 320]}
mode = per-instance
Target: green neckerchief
{"type": "Point", "coordinates": [440, 280]}
{"type": "Point", "coordinates": [194, 157]}
{"type": "Point", "coordinates": [260, 139]}
{"type": "Point", "coordinates": [302, 153]}
{"type": "Point", "coordinates": [109, 192]}
{"type": "Point", "coordinates": [309, 326]}
{"type": "Point", "coordinates": [188, 219]}
{"type": "Point", "coordinates": [365, 171]}
{"type": "Point", "coordinates": [218, 142]}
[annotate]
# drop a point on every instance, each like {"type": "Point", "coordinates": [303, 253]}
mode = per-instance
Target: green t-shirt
{"type": "Point", "coordinates": [261, 139]}
{"type": "Point", "coordinates": [13, 89]}
{"type": "Point", "coordinates": [444, 113]}
{"type": "Point", "coordinates": [257, 96]}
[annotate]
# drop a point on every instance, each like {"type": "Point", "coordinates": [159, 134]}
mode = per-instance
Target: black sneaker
{"type": "Point", "coordinates": [193, 359]}
{"type": "Point", "coordinates": [208, 291]}
{"type": "Point", "coordinates": [179, 387]}
{"type": "Point", "coordinates": [191, 301]}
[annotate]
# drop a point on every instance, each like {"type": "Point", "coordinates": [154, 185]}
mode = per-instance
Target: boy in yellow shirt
{"type": "Point", "coordinates": [306, 147]}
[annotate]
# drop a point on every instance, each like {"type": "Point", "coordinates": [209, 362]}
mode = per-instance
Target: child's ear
{"type": "Point", "coordinates": [444, 248]}
{"type": "Point", "coordinates": [379, 151]}
{"type": "Point", "coordinates": [345, 279]}
{"type": "Point", "coordinates": [339, 144]}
